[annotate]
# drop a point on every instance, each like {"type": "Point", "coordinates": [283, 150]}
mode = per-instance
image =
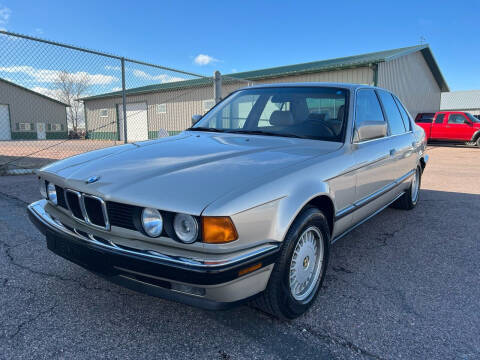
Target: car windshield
{"type": "Point", "coordinates": [304, 112]}
{"type": "Point", "coordinates": [472, 118]}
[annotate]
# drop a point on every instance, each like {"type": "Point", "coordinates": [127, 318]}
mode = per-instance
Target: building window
{"type": "Point", "coordinates": [161, 108]}
{"type": "Point", "coordinates": [54, 127]}
{"type": "Point", "coordinates": [208, 104]}
{"type": "Point", "coordinates": [103, 112]}
{"type": "Point", "coordinates": [25, 126]}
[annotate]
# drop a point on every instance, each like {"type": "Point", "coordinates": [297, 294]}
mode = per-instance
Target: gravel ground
{"type": "Point", "coordinates": [404, 285]}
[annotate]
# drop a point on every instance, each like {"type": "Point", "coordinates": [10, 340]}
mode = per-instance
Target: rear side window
{"type": "Point", "coordinates": [367, 107]}
{"type": "Point", "coordinates": [393, 115]}
{"type": "Point", "coordinates": [456, 119]}
{"type": "Point", "coordinates": [406, 118]}
{"type": "Point", "coordinates": [439, 119]}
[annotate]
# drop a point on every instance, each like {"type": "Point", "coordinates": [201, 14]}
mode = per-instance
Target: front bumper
{"type": "Point", "coordinates": [211, 285]}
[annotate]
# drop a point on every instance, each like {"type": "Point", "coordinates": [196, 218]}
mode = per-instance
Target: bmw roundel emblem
{"type": "Point", "coordinates": [92, 179]}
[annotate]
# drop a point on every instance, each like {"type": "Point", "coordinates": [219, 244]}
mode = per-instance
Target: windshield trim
{"type": "Point", "coordinates": [340, 139]}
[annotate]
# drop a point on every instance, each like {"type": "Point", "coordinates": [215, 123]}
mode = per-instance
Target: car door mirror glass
{"type": "Point", "coordinates": [369, 130]}
{"type": "Point", "coordinates": [196, 118]}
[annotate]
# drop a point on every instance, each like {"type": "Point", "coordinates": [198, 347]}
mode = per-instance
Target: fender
{"type": "Point", "coordinates": [475, 135]}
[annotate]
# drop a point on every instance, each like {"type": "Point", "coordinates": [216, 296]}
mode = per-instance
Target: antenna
{"type": "Point", "coordinates": [422, 40]}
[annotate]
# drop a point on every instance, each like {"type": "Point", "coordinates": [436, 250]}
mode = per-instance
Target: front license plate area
{"type": "Point", "coordinates": [82, 255]}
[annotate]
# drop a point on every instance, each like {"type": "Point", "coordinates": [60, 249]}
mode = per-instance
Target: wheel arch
{"type": "Point", "coordinates": [325, 204]}
{"type": "Point", "coordinates": [475, 135]}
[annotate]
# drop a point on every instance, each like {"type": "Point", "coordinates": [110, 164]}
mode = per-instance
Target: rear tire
{"type": "Point", "coordinates": [300, 269]}
{"type": "Point", "coordinates": [410, 199]}
{"type": "Point", "coordinates": [478, 142]}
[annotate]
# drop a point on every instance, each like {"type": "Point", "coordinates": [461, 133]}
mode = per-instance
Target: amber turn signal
{"type": "Point", "coordinates": [218, 230]}
{"type": "Point", "coordinates": [249, 269]}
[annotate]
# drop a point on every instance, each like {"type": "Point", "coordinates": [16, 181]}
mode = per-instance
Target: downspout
{"type": "Point", "coordinates": [374, 68]}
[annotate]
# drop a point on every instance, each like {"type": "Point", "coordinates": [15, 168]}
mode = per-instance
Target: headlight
{"type": "Point", "coordinates": [43, 187]}
{"type": "Point", "coordinates": [152, 222]}
{"type": "Point", "coordinates": [52, 193]}
{"type": "Point", "coordinates": [186, 228]}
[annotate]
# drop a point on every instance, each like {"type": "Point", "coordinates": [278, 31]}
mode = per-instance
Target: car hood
{"type": "Point", "coordinates": [183, 173]}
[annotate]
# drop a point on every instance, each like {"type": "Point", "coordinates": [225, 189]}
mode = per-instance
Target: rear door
{"type": "Point", "coordinates": [458, 127]}
{"type": "Point", "coordinates": [401, 142]}
{"type": "Point", "coordinates": [438, 127]}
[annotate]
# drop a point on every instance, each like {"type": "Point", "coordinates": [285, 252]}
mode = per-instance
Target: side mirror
{"type": "Point", "coordinates": [369, 130]}
{"type": "Point", "coordinates": [196, 118]}
{"type": "Point", "coordinates": [467, 122]}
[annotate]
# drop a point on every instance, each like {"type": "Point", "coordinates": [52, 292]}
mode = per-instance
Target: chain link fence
{"type": "Point", "coordinates": [58, 100]}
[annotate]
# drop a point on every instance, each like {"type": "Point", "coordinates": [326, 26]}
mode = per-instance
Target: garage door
{"type": "Point", "coordinates": [137, 124]}
{"type": "Point", "coordinates": [4, 123]}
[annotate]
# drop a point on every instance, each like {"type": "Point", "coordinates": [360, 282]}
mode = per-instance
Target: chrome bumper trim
{"type": "Point", "coordinates": [37, 209]}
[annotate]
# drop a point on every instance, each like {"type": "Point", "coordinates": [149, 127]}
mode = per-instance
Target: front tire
{"type": "Point", "coordinates": [410, 199]}
{"type": "Point", "coordinates": [300, 269]}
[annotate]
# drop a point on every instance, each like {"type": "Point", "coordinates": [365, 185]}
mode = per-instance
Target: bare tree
{"type": "Point", "coordinates": [71, 88]}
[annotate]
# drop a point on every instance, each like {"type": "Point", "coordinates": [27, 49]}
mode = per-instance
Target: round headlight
{"type": "Point", "coordinates": [152, 222]}
{"type": "Point", "coordinates": [186, 228]}
{"type": "Point", "coordinates": [52, 193]}
{"type": "Point", "coordinates": [43, 188]}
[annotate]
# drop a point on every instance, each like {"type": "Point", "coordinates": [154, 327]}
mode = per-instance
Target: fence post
{"type": "Point", "coordinates": [124, 102]}
{"type": "Point", "coordinates": [217, 86]}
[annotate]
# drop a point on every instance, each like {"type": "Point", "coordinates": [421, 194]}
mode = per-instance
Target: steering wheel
{"type": "Point", "coordinates": [326, 127]}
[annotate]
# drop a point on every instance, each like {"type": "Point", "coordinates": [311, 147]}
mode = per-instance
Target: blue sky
{"type": "Point", "coordinates": [246, 35]}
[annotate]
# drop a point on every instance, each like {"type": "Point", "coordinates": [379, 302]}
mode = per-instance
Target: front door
{"type": "Point", "coordinates": [374, 159]}
{"type": "Point", "coordinates": [41, 131]}
{"type": "Point", "coordinates": [458, 127]}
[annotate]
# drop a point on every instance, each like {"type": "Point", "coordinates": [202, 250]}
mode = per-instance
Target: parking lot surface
{"type": "Point", "coordinates": [404, 285]}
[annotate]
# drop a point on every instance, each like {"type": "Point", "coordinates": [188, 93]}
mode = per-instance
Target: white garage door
{"type": "Point", "coordinates": [4, 123]}
{"type": "Point", "coordinates": [137, 124]}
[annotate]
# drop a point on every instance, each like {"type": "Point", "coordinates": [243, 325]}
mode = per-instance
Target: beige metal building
{"type": "Point", "coordinates": [26, 114]}
{"type": "Point", "coordinates": [412, 73]}
{"type": "Point", "coordinates": [468, 101]}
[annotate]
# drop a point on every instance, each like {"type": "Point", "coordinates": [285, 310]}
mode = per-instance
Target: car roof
{"type": "Point", "coordinates": [349, 86]}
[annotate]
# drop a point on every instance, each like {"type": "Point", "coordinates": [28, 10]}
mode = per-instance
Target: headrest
{"type": "Point", "coordinates": [281, 118]}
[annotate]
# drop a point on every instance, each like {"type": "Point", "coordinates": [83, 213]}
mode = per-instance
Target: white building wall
{"type": "Point", "coordinates": [410, 78]}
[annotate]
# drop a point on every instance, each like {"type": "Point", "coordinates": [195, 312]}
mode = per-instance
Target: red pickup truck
{"type": "Point", "coordinates": [454, 126]}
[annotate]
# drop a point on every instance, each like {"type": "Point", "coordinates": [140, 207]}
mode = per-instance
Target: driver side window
{"type": "Point", "coordinates": [367, 107]}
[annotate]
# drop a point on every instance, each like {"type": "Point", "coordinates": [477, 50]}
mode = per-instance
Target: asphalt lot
{"type": "Point", "coordinates": [405, 285]}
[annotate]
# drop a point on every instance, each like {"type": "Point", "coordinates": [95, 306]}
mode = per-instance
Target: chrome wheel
{"type": "Point", "coordinates": [306, 263]}
{"type": "Point", "coordinates": [415, 185]}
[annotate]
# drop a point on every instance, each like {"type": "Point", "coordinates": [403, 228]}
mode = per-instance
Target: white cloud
{"type": "Point", "coordinates": [163, 78]}
{"type": "Point", "coordinates": [39, 31]}
{"type": "Point", "coordinates": [51, 76]}
{"type": "Point", "coordinates": [4, 16]}
{"type": "Point", "coordinates": [116, 88]}
{"type": "Point", "coordinates": [110, 67]}
{"type": "Point", "coordinates": [202, 59]}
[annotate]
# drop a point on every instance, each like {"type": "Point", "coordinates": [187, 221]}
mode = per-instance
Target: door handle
{"type": "Point", "coordinates": [392, 152]}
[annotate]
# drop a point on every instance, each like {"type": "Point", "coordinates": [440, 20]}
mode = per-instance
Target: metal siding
{"type": "Point", "coordinates": [460, 100]}
{"type": "Point", "coordinates": [410, 78]}
{"type": "Point", "coordinates": [360, 75]}
{"type": "Point", "coordinates": [27, 107]}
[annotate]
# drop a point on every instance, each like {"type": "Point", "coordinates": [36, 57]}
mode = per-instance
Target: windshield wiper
{"type": "Point", "coordinates": [266, 133]}
{"type": "Point", "coordinates": [200, 128]}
